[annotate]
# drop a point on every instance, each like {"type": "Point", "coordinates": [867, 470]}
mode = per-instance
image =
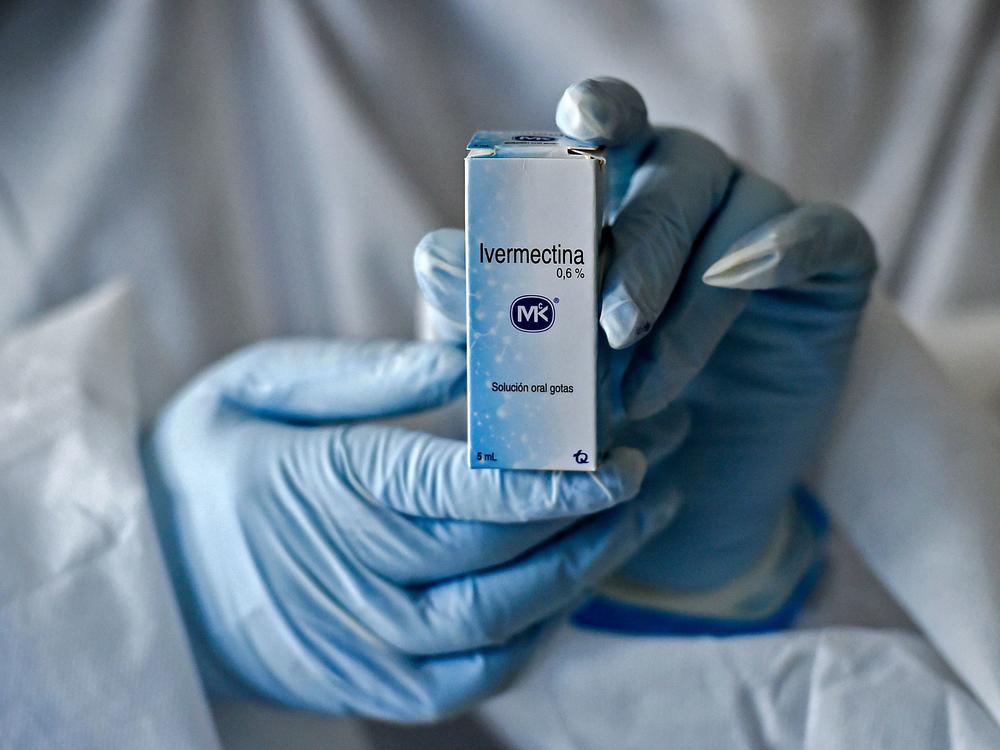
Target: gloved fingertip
{"type": "Point", "coordinates": [445, 246]}
{"type": "Point", "coordinates": [752, 266]}
{"type": "Point", "coordinates": [809, 241]}
{"type": "Point", "coordinates": [622, 322]}
{"type": "Point", "coordinates": [439, 267]}
{"type": "Point", "coordinates": [602, 111]}
{"type": "Point", "coordinates": [436, 259]}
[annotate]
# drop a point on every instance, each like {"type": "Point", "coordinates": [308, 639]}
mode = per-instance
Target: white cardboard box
{"type": "Point", "coordinates": [533, 217]}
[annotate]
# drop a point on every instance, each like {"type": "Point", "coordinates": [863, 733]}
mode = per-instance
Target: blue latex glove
{"type": "Point", "coordinates": [726, 300]}
{"type": "Point", "coordinates": [334, 564]}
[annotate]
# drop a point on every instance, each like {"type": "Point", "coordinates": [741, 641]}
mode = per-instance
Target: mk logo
{"type": "Point", "coordinates": [532, 313]}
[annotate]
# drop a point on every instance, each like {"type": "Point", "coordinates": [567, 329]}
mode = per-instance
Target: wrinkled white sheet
{"type": "Point", "coordinates": [805, 690]}
{"type": "Point", "coordinates": [92, 650]}
{"type": "Point", "coordinates": [912, 474]}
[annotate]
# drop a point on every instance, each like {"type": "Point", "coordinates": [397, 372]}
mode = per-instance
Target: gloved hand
{"type": "Point", "coordinates": [725, 299]}
{"type": "Point", "coordinates": [335, 564]}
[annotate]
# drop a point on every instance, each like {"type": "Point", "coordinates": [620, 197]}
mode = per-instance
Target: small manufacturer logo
{"type": "Point", "coordinates": [581, 457]}
{"type": "Point", "coordinates": [534, 138]}
{"type": "Point", "coordinates": [532, 313]}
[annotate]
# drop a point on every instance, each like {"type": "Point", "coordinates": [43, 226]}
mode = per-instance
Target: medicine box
{"type": "Point", "coordinates": [533, 217]}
